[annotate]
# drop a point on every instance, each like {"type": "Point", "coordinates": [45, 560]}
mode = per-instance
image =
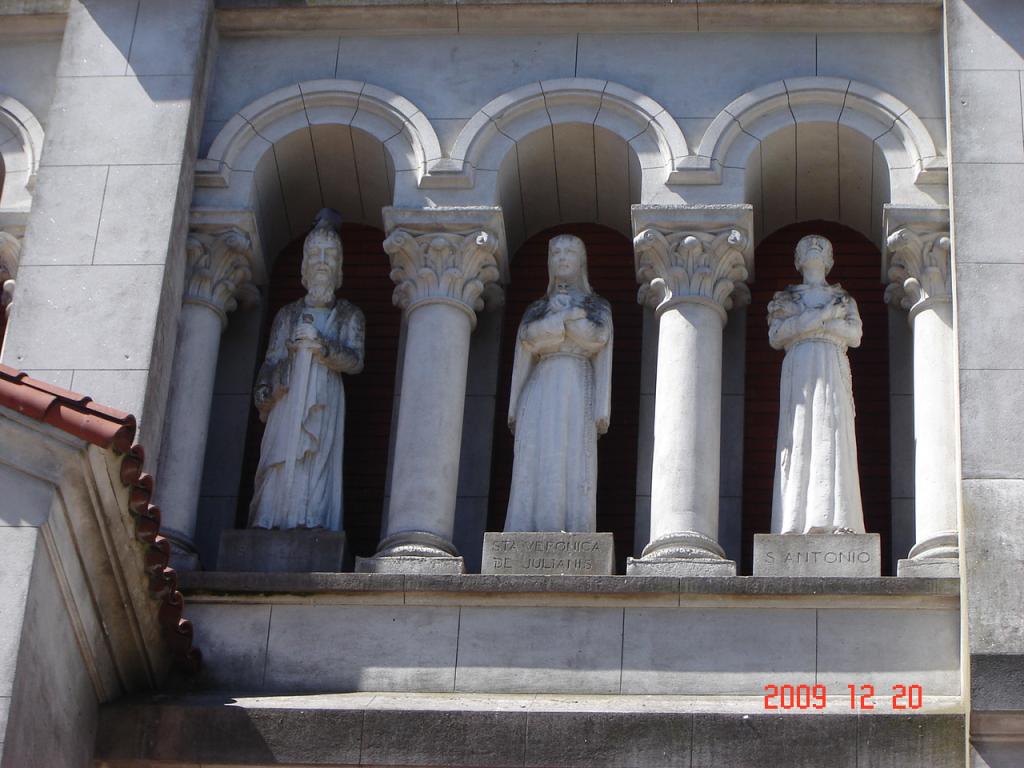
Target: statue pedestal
{"type": "Point", "coordinates": [549, 554]}
{"type": "Point", "coordinates": [680, 567]}
{"type": "Point", "coordinates": [828, 554]}
{"type": "Point", "coordinates": [939, 568]}
{"type": "Point", "coordinates": [298, 550]}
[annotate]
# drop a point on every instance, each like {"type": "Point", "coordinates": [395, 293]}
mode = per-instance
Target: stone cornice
{"type": "Point", "coordinates": [219, 270]}
{"type": "Point", "coordinates": [246, 17]}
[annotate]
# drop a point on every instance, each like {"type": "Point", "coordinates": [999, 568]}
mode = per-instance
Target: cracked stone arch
{"type": "Point", "coordinates": [345, 144]}
{"type": "Point", "coordinates": [817, 148]}
{"type": "Point", "coordinates": [21, 141]}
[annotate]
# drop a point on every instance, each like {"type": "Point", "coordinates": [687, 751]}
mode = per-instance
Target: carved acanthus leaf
{"type": "Point", "coordinates": [10, 254]}
{"type": "Point", "coordinates": [219, 269]}
{"type": "Point", "coordinates": [443, 265]}
{"type": "Point", "coordinates": [919, 267]}
{"type": "Point", "coordinates": [676, 265]}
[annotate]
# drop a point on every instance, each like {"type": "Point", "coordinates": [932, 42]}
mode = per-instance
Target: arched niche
{"type": "Point", "coordinates": [810, 149]}
{"type": "Point", "coordinates": [21, 142]}
{"type": "Point", "coordinates": [337, 144]}
{"type": "Point", "coordinates": [368, 395]}
{"type": "Point", "coordinates": [572, 149]}
{"type": "Point", "coordinates": [344, 144]}
{"type": "Point", "coordinates": [612, 275]}
{"type": "Point", "coordinates": [856, 263]}
{"type": "Point", "coordinates": [816, 147]}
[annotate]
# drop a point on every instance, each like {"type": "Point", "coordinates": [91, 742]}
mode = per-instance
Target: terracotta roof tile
{"type": "Point", "coordinates": [68, 411]}
{"type": "Point", "coordinates": [114, 430]}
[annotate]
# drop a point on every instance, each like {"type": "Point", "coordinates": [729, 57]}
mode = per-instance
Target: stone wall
{"type": "Point", "coordinates": [986, 63]}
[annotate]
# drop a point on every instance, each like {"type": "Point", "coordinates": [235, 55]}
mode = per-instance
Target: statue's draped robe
{"type": "Point", "coordinates": [562, 373]}
{"type": "Point", "coordinates": [817, 489]}
{"type": "Point", "coordinates": [314, 499]}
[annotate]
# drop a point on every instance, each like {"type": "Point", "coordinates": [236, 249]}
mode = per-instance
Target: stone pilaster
{"type": "Point", "coordinates": [443, 262]}
{"type": "Point", "coordinates": [690, 262]}
{"type": "Point", "coordinates": [218, 276]}
{"type": "Point", "coordinates": [920, 282]}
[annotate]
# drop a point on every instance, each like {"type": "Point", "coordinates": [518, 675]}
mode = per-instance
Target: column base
{"type": "Point", "coordinates": [684, 553]}
{"type": "Point", "coordinates": [931, 568]}
{"type": "Point", "coordinates": [937, 557]}
{"type": "Point", "coordinates": [415, 552]}
{"type": "Point", "coordinates": [183, 555]}
{"type": "Point", "coordinates": [427, 566]}
{"type": "Point", "coordinates": [297, 550]}
{"type": "Point", "coordinates": [818, 554]}
{"type": "Point", "coordinates": [680, 567]}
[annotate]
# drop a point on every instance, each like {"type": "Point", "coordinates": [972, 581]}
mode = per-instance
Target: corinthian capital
{"type": "Point", "coordinates": [10, 253]}
{"type": "Point", "coordinates": [447, 267]}
{"type": "Point", "coordinates": [705, 267]}
{"type": "Point", "coordinates": [918, 268]}
{"type": "Point", "coordinates": [219, 270]}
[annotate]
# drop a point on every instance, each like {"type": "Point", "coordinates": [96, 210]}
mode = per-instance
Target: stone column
{"type": "Point", "coordinates": [10, 253]}
{"type": "Point", "coordinates": [218, 275]}
{"type": "Point", "coordinates": [442, 261]}
{"type": "Point", "coordinates": [919, 275]}
{"type": "Point", "coordinates": [688, 272]}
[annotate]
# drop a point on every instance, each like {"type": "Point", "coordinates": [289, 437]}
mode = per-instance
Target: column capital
{"type": "Point", "coordinates": [690, 266]}
{"type": "Point", "coordinates": [918, 271]}
{"type": "Point", "coordinates": [10, 255]}
{"type": "Point", "coordinates": [693, 253]}
{"type": "Point", "coordinates": [445, 255]}
{"type": "Point", "coordinates": [218, 271]}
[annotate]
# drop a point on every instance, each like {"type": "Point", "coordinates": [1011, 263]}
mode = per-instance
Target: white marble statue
{"type": "Point", "coordinates": [300, 396]}
{"type": "Point", "coordinates": [561, 398]}
{"type": "Point", "coordinates": [817, 489]}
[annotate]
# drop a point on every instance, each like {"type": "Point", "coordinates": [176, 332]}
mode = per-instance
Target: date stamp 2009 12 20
{"type": "Point", "coordinates": [861, 697]}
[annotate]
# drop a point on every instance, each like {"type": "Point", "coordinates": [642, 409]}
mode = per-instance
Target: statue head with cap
{"type": "Point", "coordinates": [321, 259]}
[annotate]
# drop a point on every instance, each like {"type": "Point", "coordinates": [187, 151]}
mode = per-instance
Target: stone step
{"type": "Point", "coordinates": [368, 729]}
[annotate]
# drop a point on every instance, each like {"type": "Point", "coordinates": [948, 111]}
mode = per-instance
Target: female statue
{"type": "Point", "coordinates": [561, 398]}
{"type": "Point", "coordinates": [817, 489]}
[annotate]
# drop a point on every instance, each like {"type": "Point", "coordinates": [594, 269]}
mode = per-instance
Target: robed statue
{"type": "Point", "coordinates": [561, 398]}
{"type": "Point", "coordinates": [300, 395]}
{"type": "Point", "coordinates": [817, 489]}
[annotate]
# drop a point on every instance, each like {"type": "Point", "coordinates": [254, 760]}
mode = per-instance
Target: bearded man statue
{"type": "Point", "coordinates": [300, 395]}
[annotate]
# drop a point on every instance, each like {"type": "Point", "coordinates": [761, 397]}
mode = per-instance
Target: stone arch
{"type": "Point", "coordinates": [21, 141]}
{"type": "Point", "coordinates": [820, 148]}
{"type": "Point", "coordinates": [227, 176]}
{"type": "Point", "coordinates": [493, 132]}
{"type": "Point", "coordinates": [886, 120]}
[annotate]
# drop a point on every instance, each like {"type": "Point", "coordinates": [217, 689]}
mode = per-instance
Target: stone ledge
{"type": "Point", "coordinates": [597, 591]}
{"type": "Point", "coordinates": [223, 582]}
{"type": "Point", "coordinates": [592, 731]}
{"type": "Point", "coordinates": [247, 17]}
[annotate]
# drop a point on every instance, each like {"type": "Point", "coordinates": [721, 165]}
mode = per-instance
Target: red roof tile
{"type": "Point", "coordinates": [68, 411]}
{"type": "Point", "coordinates": [113, 430]}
